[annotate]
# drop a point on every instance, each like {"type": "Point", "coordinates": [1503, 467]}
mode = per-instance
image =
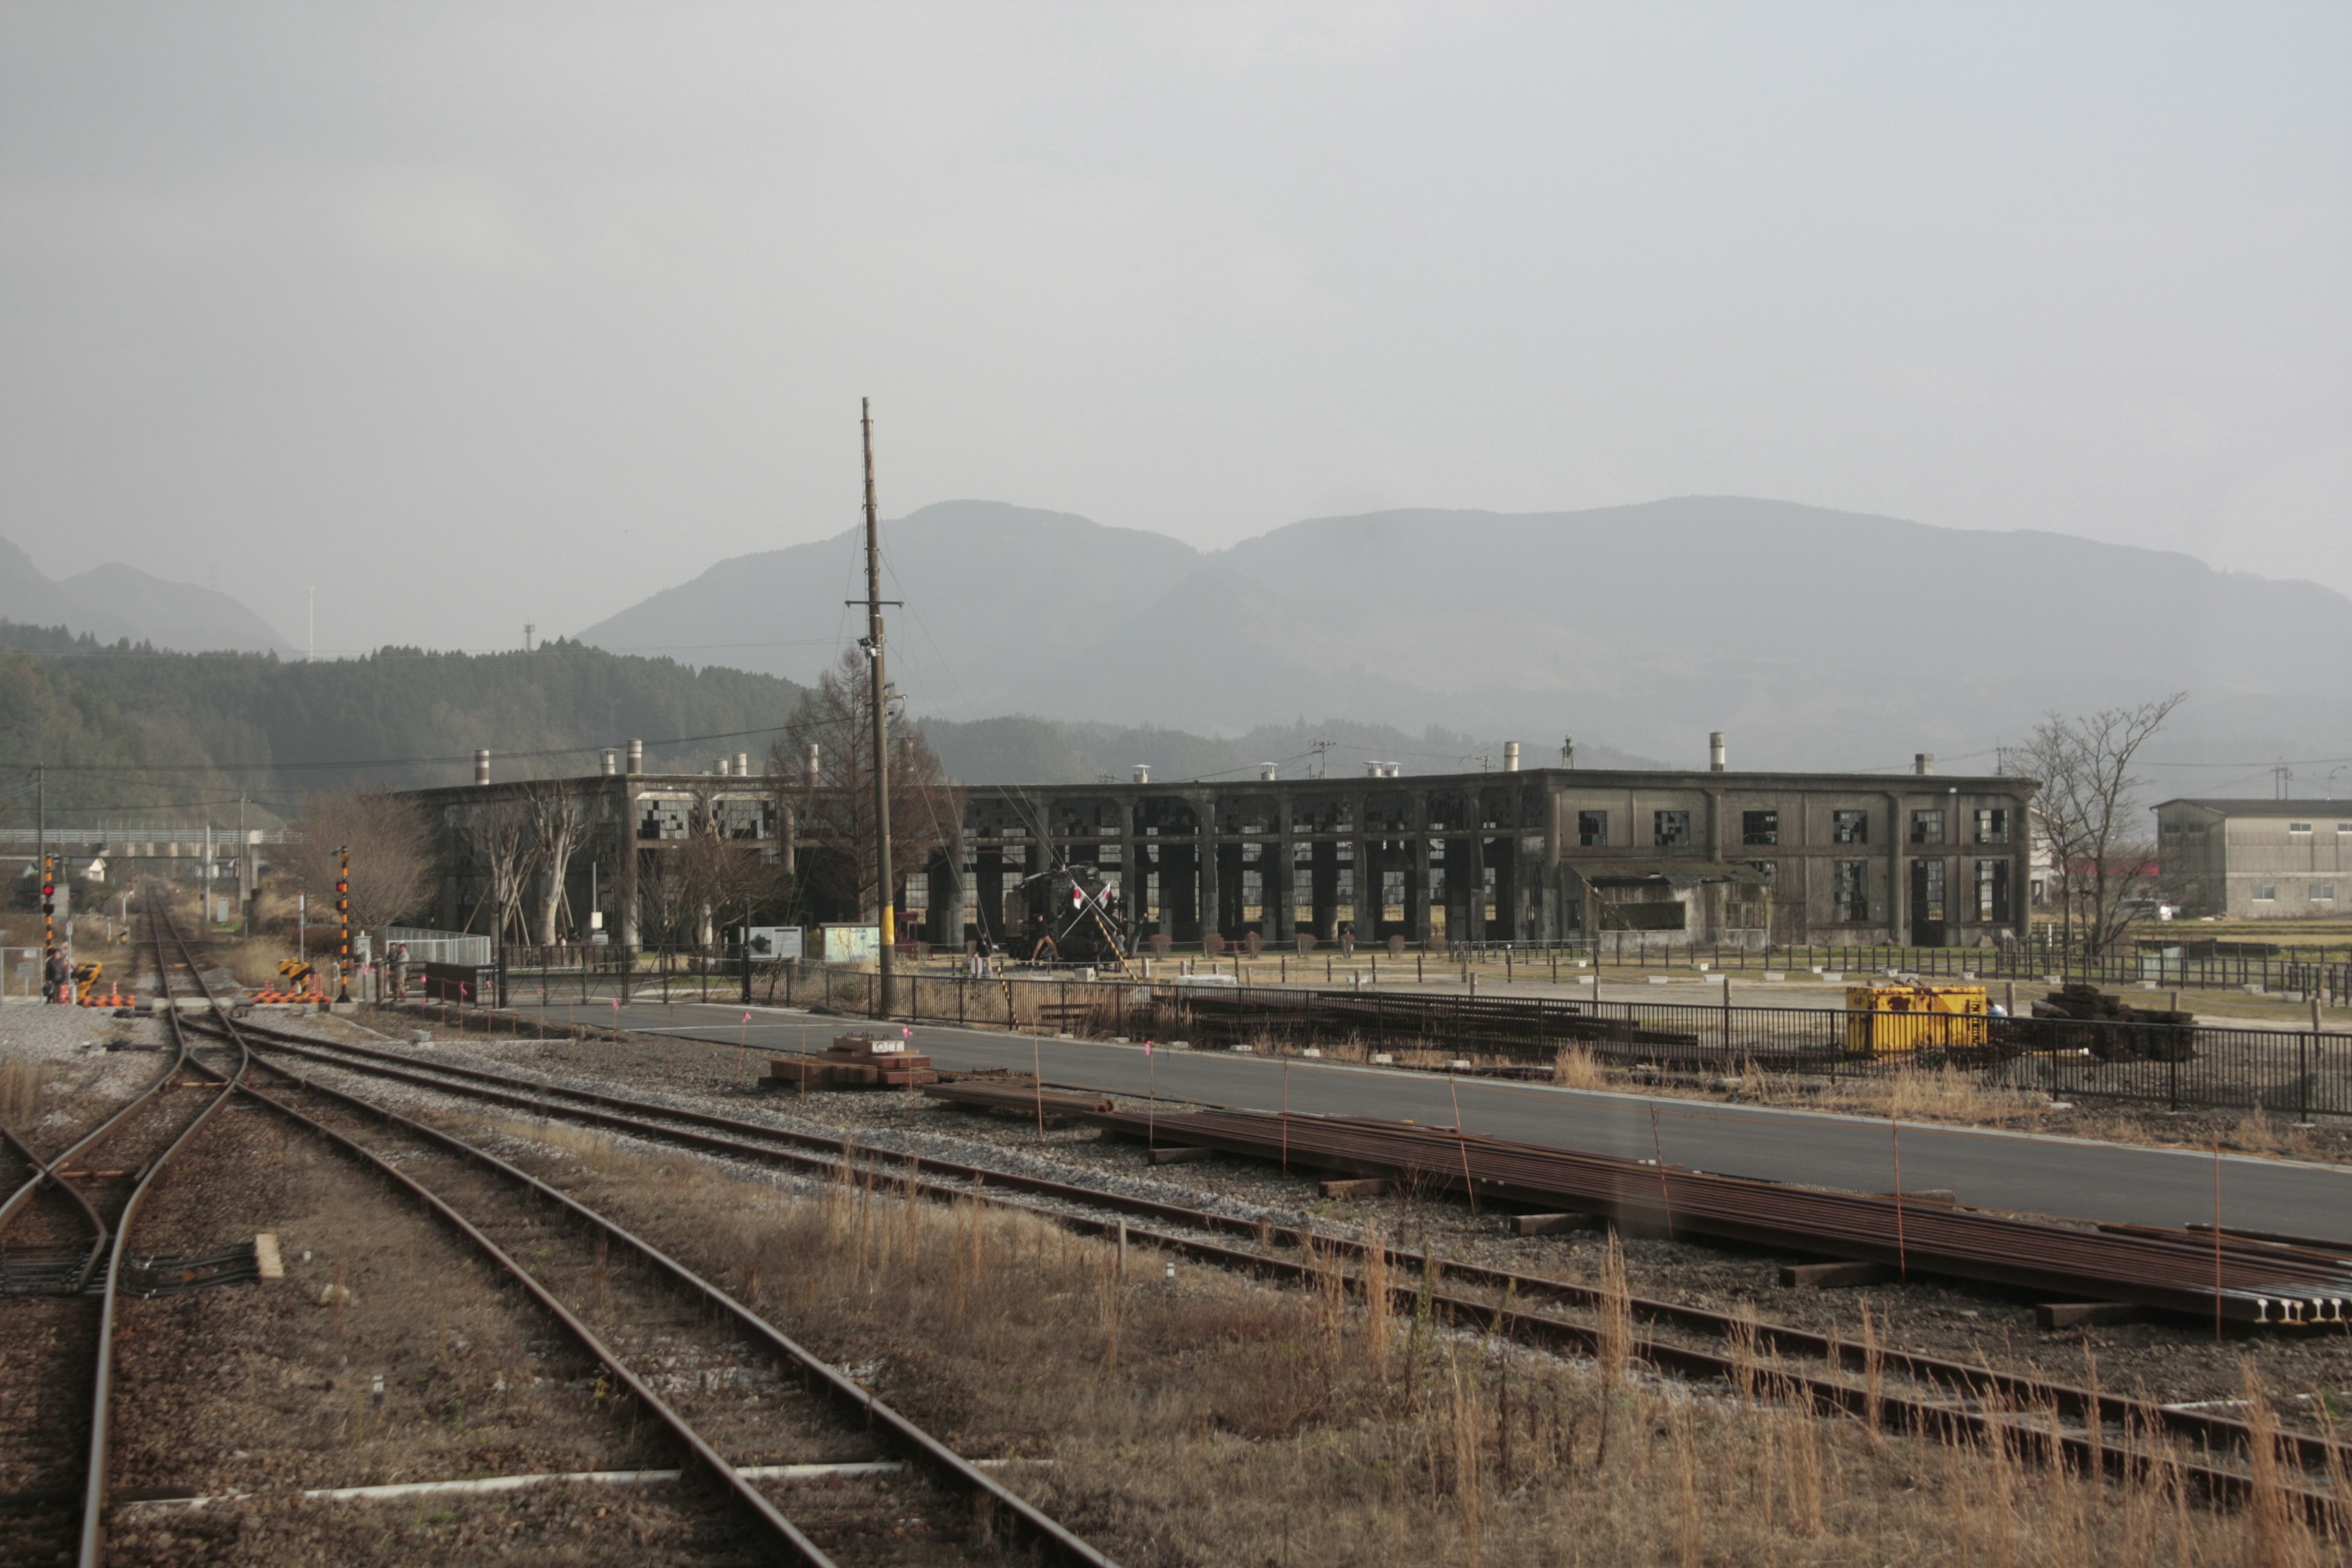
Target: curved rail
{"type": "Point", "coordinates": [1971, 1384]}
{"type": "Point", "coordinates": [93, 1504]}
{"type": "Point", "coordinates": [1057, 1543]}
{"type": "Point", "coordinates": [45, 1171]}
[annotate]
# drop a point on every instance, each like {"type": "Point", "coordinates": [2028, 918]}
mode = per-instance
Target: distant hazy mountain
{"type": "Point", "coordinates": [1817, 638]}
{"type": "Point", "coordinates": [113, 602]}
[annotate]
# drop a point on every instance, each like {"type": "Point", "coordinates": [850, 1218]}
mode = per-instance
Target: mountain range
{"type": "Point", "coordinates": [1816, 638]}
{"type": "Point", "coordinates": [115, 602]}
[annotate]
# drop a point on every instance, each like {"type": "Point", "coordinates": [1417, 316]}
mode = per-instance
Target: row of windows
{"type": "Point", "coordinates": [1850, 889]}
{"type": "Point", "coordinates": [2317, 893]}
{"type": "Point", "coordinates": [1670, 829]}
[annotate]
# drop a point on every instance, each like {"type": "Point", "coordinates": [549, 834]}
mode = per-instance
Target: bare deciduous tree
{"type": "Point", "coordinates": [838, 813]}
{"type": "Point", "coordinates": [392, 860]}
{"type": "Point", "coordinates": [2089, 811]}
{"type": "Point", "coordinates": [557, 817]}
{"type": "Point", "coordinates": [726, 882]}
{"type": "Point", "coordinates": [496, 840]}
{"type": "Point", "coordinates": [663, 896]}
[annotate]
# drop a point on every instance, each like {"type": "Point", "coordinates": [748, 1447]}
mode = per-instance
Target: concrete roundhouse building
{"type": "Point", "coordinates": [1707, 855]}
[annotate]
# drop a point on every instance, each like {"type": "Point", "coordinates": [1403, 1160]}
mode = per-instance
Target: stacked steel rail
{"type": "Point", "coordinates": [1001, 1509]}
{"type": "Point", "coordinates": [1949, 1400]}
{"type": "Point", "coordinates": [2215, 1278]}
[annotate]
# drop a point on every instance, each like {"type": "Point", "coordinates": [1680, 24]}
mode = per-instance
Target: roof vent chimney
{"type": "Point", "coordinates": [1510, 756]}
{"type": "Point", "coordinates": [482, 766]}
{"type": "Point", "coordinates": [742, 764]}
{"type": "Point", "coordinates": [815, 754]}
{"type": "Point", "coordinates": [611, 761]}
{"type": "Point", "coordinates": [723, 767]}
{"type": "Point", "coordinates": [1143, 773]}
{"type": "Point", "coordinates": [1268, 770]}
{"type": "Point", "coordinates": [636, 756]}
{"type": "Point", "coordinates": [1715, 752]}
{"type": "Point", "coordinates": [1922, 762]}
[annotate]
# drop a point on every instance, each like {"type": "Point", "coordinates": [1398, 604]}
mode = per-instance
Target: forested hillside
{"type": "Point", "coordinates": [125, 727]}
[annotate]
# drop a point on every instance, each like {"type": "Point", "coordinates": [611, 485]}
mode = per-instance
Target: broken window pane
{"type": "Point", "coordinates": [1992, 826]}
{"type": "Point", "coordinates": [1850, 891]}
{"type": "Point", "coordinates": [1592, 827]}
{"type": "Point", "coordinates": [1931, 890]}
{"type": "Point", "coordinates": [1927, 827]}
{"type": "Point", "coordinates": [1992, 891]}
{"type": "Point", "coordinates": [1672, 827]}
{"type": "Point", "coordinates": [1850, 826]}
{"type": "Point", "coordinates": [1760, 828]}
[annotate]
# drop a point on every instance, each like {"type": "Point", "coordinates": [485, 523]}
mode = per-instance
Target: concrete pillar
{"type": "Point", "coordinates": [1281, 916]}
{"type": "Point", "coordinates": [1131, 875]}
{"type": "Point", "coordinates": [1204, 807]}
{"type": "Point", "coordinates": [1416, 885]}
{"type": "Point", "coordinates": [624, 868]}
{"type": "Point", "coordinates": [1899, 895]}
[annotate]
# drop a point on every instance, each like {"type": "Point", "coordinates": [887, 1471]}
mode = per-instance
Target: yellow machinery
{"type": "Point", "coordinates": [85, 982]}
{"type": "Point", "coordinates": [1895, 1020]}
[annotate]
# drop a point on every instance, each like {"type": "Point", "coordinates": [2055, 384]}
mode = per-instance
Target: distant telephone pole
{"type": "Point", "coordinates": [884, 892]}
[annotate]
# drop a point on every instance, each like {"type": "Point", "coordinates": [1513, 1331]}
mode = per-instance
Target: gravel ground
{"type": "Point", "coordinates": [89, 1061]}
{"type": "Point", "coordinates": [2172, 1362]}
{"type": "Point", "coordinates": [270, 1387]}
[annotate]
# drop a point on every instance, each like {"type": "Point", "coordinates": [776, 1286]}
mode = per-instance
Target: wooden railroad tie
{"type": "Point", "coordinates": [1830, 1276]}
{"type": "Point", "coordinates": [1555, 1224]}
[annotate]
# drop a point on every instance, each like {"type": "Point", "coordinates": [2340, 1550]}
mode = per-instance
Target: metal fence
{"type": "Point", "coordinates": [442, 946]}
{"type": "Point", "coordinates": [2302, 1073]}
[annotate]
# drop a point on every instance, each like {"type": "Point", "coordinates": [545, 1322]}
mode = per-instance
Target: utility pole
{"type": "Point", "coordinates": [883, 888]}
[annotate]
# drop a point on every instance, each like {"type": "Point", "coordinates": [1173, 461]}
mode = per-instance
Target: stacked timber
{"type": "Point", "coordinates": [854, 1061]}
{"type": "Point", "coordinates": [2119, 1033]}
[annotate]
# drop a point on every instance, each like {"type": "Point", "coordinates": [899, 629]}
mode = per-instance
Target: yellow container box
{"type": "Point", "coordinates": [1896, 1020]}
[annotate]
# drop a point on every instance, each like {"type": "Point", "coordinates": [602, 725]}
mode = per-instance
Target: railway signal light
{"type": "Point", "coordinates": [343, 914]}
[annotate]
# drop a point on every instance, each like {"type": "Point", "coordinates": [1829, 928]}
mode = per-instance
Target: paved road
{"type": "Point", "coordinates": [2105, 1182]}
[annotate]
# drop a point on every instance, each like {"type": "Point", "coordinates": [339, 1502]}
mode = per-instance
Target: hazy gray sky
{"type": "Point", "coordinates": [508, 313]}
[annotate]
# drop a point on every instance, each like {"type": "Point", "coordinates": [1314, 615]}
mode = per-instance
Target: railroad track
{"type": "Point", "coordinates": [1894, 1389]}
{"type": "Point", "coordinates": [737, 1396]}
{"type": "Point", "coordinates": [72, 1213]}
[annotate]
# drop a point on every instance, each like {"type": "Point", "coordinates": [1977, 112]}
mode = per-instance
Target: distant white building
{"type": "Point", "coordinates": [2257, 860]}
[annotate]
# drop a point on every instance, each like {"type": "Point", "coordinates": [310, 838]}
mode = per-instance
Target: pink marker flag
{"type": "Point", "coordinates": [1147, 1047]}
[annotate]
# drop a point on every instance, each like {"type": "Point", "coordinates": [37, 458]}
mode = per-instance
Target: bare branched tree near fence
{"type": "Point", "coordinates": [497, 841]}
{"type": "Point", "coordinates": [729, 882]}
{"type": "Point", "coordinates": [391, 858]}
{"type": "Point", "coordinates": [557, 819]}
{"type": "Point", "coordinates": [2089, 812]}
{"type": "Point", "coordinates": [838, 813]}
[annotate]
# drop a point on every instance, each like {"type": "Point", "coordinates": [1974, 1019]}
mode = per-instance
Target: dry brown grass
{"type": "Point", "coordinates": [1211, 1419]}
{"type": "Point", "coordinates": [22, 1085]}
{"type": "Point", "coordinates": [1576, 1068]}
